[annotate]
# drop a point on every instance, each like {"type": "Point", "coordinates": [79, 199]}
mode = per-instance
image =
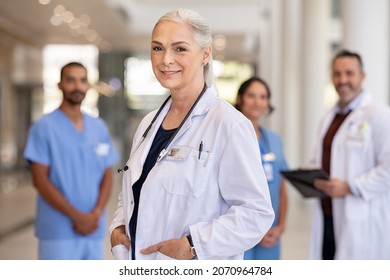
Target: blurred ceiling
{"type": "Point", "coordinates": [126, 24]}
{"type": "Point", "coordinates": [31, 21]}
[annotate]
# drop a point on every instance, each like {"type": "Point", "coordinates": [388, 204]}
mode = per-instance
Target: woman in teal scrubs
{"type": "Point", "coordinates": [253, 100]}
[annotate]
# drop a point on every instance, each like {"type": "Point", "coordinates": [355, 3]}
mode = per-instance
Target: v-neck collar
{"type": "Point", "coordinates": [70, 123]}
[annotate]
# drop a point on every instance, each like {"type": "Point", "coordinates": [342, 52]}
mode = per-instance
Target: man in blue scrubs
{"type": "Point", "coordinates": [71, 155]}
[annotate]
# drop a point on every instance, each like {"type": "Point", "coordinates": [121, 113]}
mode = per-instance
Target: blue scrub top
{"type": "Point", "coordinates": [77, 162]}
{"type": "Point", "coordinates": [270, 143]}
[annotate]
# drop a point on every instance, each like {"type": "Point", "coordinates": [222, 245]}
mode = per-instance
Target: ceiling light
{"type": "Point", "coordinates": [55, 20]}
{"type": "Point", "coordinates": [44, 2]}
{"type": "Point", "coordinates": [67, 16]}
{"type": "Point", "coordinates": [219, 42]}
{"type": "Point", "coordinates": [59, 10]}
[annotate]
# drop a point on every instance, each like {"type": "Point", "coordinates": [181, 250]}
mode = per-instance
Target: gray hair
{"type": "Point", "coordinates": [201, 32]}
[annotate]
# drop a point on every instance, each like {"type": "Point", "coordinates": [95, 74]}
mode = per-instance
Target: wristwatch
{"type": "Point", "coordinates": [192, 248]}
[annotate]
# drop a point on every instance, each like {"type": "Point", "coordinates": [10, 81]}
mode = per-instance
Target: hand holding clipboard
{"type": "Point", "coordinates": [303, 181]}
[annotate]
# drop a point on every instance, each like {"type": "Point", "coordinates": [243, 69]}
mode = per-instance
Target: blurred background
{"type": "Point", "coordinates": [287, 42]}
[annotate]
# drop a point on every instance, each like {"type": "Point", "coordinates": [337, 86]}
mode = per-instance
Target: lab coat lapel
{"type": "Point", "coordinates": [137, 162]}
{"type": "Point", "coordinates": [201, 108]}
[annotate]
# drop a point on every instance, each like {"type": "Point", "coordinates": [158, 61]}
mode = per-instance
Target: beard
{"type": "Point", "coordinates": [75, 97]}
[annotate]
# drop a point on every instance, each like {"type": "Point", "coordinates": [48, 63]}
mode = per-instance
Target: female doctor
{"type": "Point", "coordinates": [193, 184]}
{"type": "Point", "coordinates": [254, 101]}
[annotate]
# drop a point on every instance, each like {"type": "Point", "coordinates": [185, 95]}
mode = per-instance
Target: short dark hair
{"type": "Point", "coordinates": [244, 86]}
{"type": "Point", "coordinates": [71, 64]}
{"type": "Point", "coordinates": [347, 53]}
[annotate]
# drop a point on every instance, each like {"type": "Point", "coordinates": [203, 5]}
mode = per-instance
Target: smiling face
{"type": "Point", "coordinates": [176, 56]}
{"type": "Point", "coordinates": [254, 102]}
{"type": "Point", "coordinates": [347, 78]}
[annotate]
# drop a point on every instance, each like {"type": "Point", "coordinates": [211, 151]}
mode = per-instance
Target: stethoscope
{"type": "Point", "coordinates": [164, 150]}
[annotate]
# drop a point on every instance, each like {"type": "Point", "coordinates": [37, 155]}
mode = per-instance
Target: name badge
{"type": "Point", "coordinates": [269, 171]}
{"type": "Point", "coordinates": [268, 166]}
{"type": "Point", "coordinates": [102, 149]}
{"type": "Point", "coordinates": [179, 152]}
{"type": "Point", "coordinates": [269, 157]}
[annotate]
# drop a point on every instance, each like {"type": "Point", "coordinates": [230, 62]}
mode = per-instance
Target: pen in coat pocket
{"type": "Point", "coordinates": [200, 149]}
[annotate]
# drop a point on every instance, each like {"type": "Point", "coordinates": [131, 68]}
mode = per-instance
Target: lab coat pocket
{"type": "Point", "coordinates": [355, 141]}
{"type": "Point", "coordinates": [162, 257]}
{"type": "Point", "coordinates": [357, 133]}
{"type": "Point", "coordinates": [188, 177]}
{"type": "Point", "coordinates": [120, 252]}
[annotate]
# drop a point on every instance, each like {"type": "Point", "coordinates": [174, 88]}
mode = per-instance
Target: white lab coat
{"type": "Point", "coordinates": [221, 199]}
{"type": "Point", "coordinates": [361, 156]}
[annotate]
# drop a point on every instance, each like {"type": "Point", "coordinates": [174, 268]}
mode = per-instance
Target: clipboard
{"type": "Point", "coordinates": [303, 181]}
